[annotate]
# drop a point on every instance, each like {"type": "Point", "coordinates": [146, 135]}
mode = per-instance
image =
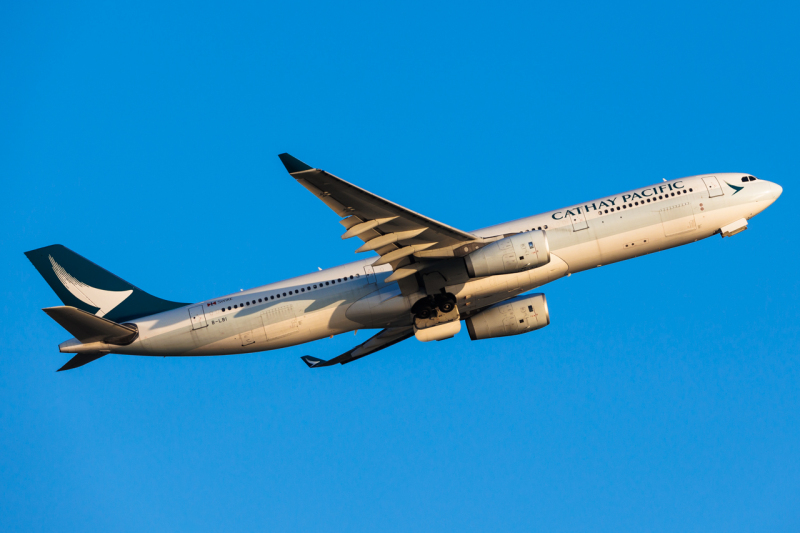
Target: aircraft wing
{"type": "Point", "coordinates": [383, 339]}
{"type": "Point", "coordinates": [391, 230]}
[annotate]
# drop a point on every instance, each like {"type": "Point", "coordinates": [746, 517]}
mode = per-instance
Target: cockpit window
{"type": "Point", "coordinates": [752, 178]}
{"type": "Point", "coordinates": [745, 179]}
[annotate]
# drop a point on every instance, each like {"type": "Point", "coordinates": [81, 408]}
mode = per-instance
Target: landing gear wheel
{"type": "Point", "coordinates": [424, 313]}
{"type": "Point", "coordinates": [446, 304]}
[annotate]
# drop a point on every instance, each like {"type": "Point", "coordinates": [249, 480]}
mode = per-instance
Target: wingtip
{"type": "Point", "coordinates": [293, 164]}
{"type": "Point", "coordinates": [82, 359]}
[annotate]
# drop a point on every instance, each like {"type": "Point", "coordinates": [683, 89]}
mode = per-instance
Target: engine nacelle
{"type": "Point", "coordinates": [512, 317]}
{"type": "Point", "coordinates": [510, 255]}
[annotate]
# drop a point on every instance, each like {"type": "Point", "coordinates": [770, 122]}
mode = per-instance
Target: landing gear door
{"type": "Point", "coordinates": [197, 317]}
{"type": "Point", "coordinates": [370, 272]}
{"type": "Point", "coordinates": [713, 186]}
{"type": "Point", "coordinates": [579, 221]}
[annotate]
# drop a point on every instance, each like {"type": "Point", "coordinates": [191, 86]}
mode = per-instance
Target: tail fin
{"type": "Point", "coordinates": [80, 283]}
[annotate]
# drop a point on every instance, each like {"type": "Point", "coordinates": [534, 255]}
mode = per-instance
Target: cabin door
{"type": "Point", "coordinates": [198, 317]}
{"type": "Point", "coordinates": [579, 221]}
{"type": "Point", "coordinates": [713, 186]}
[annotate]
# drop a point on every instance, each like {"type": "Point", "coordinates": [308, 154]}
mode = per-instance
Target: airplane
{"type": "Point", "coordinates": [427, 279]}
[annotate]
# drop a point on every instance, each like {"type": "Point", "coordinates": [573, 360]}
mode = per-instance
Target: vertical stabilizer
{"type": "Point", "coordinates": [86, 286]}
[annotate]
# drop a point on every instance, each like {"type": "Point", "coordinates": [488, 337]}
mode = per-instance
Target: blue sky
{"type": "Point", "coordinates": [144, 136]}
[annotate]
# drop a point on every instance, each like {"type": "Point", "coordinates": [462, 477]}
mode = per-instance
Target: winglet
{"type": "Point", "coordinates": [293, 164]}
{"type": "Point", "coordinates": [314, 361]}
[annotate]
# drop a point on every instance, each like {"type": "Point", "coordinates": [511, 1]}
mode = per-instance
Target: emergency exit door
{"type": "Point", "coordinates": [370, 272]}
{"type": "Point", "coordinates": [713, 186]}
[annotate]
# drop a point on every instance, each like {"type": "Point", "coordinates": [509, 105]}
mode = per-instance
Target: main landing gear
{"type": "Point", "coordinates": [434, 305]}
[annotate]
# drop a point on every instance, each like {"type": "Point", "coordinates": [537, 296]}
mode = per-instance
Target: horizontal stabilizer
{"type": "Point", "coordinates": [87, 327]}
{"type": "Point", "coordinates": [82, 359]}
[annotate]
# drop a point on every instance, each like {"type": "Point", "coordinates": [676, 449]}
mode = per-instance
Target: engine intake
{"type": "Point", "coordinates": [509, 255]}
{"type": "Point", "coordinates": [512, 317]}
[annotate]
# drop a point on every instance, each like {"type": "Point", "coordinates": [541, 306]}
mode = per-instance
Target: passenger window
{"type": "Point", "coordinates": [229, 308]}
{"type": "Point", "coordinates": [259, 300]}
{"type": "Point", "coordinates": [326, 283]}
{"type": "Point", "coordinates": [284, 294]}
{"type": "Point", "coordinates": [673, 194]}
{"type": "Point", "coordinates": [530, 309]}
{"type": "Point", "coordinates": [235, 307]}
{"type": "Point", "coordinates": [302, 290]}
{"type": "Point", "coordinates": [273, 297]}
{"type": "Point", "coordinates": [545, 226]}
{"type": "Point", "coordinates": [691, 190]}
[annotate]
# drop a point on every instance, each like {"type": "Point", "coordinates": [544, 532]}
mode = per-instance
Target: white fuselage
{"type": "Point", "coordinates": [354, 296]}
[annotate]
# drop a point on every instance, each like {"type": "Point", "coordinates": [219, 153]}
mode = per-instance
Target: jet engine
{"type": "Point", "coordinates": [517, 253]}
{"type": "Point", "coordinates": [512, 317]}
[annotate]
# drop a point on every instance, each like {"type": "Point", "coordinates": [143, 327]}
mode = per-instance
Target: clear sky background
{"type": "Point", "coordinates": [144, 136]}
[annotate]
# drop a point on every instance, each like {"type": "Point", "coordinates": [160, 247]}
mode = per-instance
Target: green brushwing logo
{"type": "Point", "coordinates": [734, 187]}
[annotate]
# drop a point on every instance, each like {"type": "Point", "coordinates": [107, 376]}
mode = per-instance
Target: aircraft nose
{"type": "Point", "coordinates": [777, 190]}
